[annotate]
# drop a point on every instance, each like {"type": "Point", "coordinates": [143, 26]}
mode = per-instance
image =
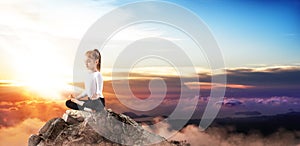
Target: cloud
{"type": "Point", "coordinates": [263, 106]}
{"type": "Point", "coordinates": [223, 136]}
{"type": "Point", "coordinates": [32, 30]}
{"type": "Point", "coordinates": [16, 105]}
{"type": "Point", "coordinates": [244, 94]}
{"type": "Point", "coordinates": [50, 18]}
{"type": "Point", "coordinates": [13, 113]}
{"type": "Point", "coordinates": [276, 75]}
{"type": "Point", "coordinates": [19, 134]}
{"type": "Point", "coordinates": [275, 100]}
{"type": "Point", "coordinates": [230, 102]}
{"type": "Point", "coordinates": [241, 82]}
{"type": "Point", "coordinates": [272, 81]}
{"type": "Point", "coordinates": [207, 85]}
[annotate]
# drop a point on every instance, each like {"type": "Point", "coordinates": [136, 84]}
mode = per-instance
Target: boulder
{"type": "Point", "coordinates": [78, 128]}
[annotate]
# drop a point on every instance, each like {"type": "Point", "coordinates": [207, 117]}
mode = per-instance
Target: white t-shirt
{"type": "Point", "coordinates": [93, 85]}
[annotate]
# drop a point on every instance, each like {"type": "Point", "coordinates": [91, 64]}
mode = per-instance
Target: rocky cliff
{"type": "Point", "coordinates": [77, 128]}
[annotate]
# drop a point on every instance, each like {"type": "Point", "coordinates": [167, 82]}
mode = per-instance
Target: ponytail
{"type": "Point", "coordinates": [98, 56]}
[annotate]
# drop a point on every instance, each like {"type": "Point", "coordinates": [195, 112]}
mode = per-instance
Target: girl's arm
{"type": "Point", "coordinates": [83, 94]}
{"type": "Point", "coordinates": [99, 87]}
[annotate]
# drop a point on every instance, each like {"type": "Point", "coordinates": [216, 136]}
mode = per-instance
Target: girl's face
{"type": "Point", "coordinates": [91, 64]}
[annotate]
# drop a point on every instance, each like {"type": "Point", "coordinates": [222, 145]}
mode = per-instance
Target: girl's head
{"type": "Point", "coordinates": [93, 60]}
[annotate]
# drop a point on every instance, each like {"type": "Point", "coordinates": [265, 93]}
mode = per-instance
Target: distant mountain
{"type": "Point", "coordinates": [248, 113]}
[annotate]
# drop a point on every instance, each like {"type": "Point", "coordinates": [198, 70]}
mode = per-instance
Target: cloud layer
{"type": "Point", "coordinates": [19, 134]}
{"type": "Point", "coordinates": [225, 136]}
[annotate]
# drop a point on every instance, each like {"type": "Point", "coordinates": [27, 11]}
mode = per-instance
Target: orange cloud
{"type": "Point", "coordinates": [19, 134]}
{"type": "Point", "coordinates": [12, 113]}
{"type": "Point", "coordinates": [207, 85]}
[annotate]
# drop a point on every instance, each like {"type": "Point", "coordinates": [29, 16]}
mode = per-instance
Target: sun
{"type": "Point", "coordinates": [41, 69]}
{"type": "Point", "coordinates": [42, 76]}
{"type": "Point", "coordinates": [46, 83]}
{"type": "Point", "coordinates": [48, 89]}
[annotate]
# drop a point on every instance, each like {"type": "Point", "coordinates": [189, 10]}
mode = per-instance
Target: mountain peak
{"type": "Point", "coordinates": [103, 128]}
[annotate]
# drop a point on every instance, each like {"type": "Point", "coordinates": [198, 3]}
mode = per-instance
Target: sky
{"type": "Point", "coordinates": [259, 41]}
{"type": "Point", "coordinates": [249, 34]}
{"type": "Point", "coordinates": [39, 41]}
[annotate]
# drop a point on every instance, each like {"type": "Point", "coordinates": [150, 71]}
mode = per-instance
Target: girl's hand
{"type": "Point", "coordinates": [95, 96]}
{"type": "Point", "coordinates": [73, 99]}
{"type": "Point", "coordinates": [77, 101]}
{"type": "Point", "coordinates": [71, 96]}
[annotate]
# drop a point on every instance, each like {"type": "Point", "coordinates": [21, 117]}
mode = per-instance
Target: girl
{"type": "Point", "coordinates": [93, 86]}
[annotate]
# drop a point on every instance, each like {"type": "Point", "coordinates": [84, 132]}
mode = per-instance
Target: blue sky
{"type": "Point", "coordinates": [253, 32]}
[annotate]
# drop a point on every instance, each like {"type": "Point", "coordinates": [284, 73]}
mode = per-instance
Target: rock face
{"type": "Point", "coordinates": [77, 128]}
